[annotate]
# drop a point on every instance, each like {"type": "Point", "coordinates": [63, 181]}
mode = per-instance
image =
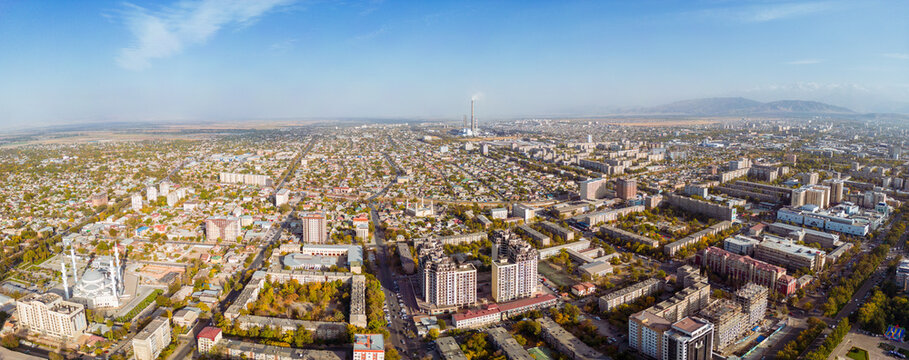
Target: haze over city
{"type": "Point", "coordinates": [98, 61]}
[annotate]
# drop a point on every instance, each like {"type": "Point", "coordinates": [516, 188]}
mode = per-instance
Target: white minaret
{"type": "Point", "coordinates": [113, 278]}
{"type": "Point", "coordinates": [117, 264]}
{"type": "Point", "coordinates": [65, 284]}
{"type": "Point", "coordinates": [72, 256]}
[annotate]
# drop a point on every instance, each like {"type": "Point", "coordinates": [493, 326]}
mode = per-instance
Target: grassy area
{"type": "Point", "coordinates": [141, 306]}
{"type": "Point", "coordinates": [857, 354]}
{"type": "Point", "coordinates": [556, 276]}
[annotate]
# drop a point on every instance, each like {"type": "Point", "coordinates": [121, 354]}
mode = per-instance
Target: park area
{"type": "Point", "coordinates": [310, 301]}
{"type": "Point", "coordinates": [857, 354]}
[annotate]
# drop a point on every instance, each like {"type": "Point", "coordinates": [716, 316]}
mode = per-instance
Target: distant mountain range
{"type": "Point", "coordinates": [737, 106]}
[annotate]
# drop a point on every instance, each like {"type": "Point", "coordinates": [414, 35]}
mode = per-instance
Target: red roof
{"type": "Point", "coordinates": [526, 302]}
{"type": "Point", "coordinates": [209, 332]}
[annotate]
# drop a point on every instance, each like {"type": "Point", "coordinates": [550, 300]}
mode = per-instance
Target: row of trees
{"type": "Point", "coordinates": [830, 343]}
{"type": "Point", "coordinates": [840, 294]}
{"type": "Point", "coordinates": [283, 298]}
{"type": "Point", "coordinates": [794, 348]}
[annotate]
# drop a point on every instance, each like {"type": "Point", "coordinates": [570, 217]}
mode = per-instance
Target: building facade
{"type": "Point", "coordinates": [49, 314]}
{"type": "Point", "coordinates": [149, 342]}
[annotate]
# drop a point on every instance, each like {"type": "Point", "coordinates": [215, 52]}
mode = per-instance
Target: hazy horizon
{"type": "Point", "coordinates": [209, 60]}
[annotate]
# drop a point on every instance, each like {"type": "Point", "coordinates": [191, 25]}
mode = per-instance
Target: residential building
{"type": "Point", "coordinates": [565, 343]}
{"type": "Point", "coordinates": [688, 275]}
{"type": "Point", "coordinates": [151, 194]}
{"type": "Point", "coordinates": [444, 283]}
{"type": "Point", "coordinates": [742, 269]}
{"type": "Point", "coordinates": [369, 347]}
{"type": "Point", "coordinates": [207, 339]}
{"type": "Point", "coordinates": [514, 267]}
{"type": "Point", "coordinates": [717, 211]}
{"type": "Point", "coordinates": [688, 339]}
{"type": "Point", "coordinates": [498, 213]}
{"type": "Point", "coordinates": [685, 302]}
{"type": "Point", "coordinates": [136, 202]}
{"type": "Point", "coordinates": [226, 228]}
{"type": "Point", "coordinates": [502, 340]}
{"type": "Point", "coordinates": [149, 342]}
{"type": "Point", "coordinates": [753, 300]}
{"type": "Point", "coordinates": [593, 189]}
{"type": "Point", "coordinates": [448, 348]}
{"type": "Point", "coordinates": [788, 254]}
{"type": "Point", "coordinates": [902, 275]}
{"type": "Point", "coordinates": [314, 228]}
{"type": "Point", "coordinates": [282, 197]}
{"type": "Point", "coordinates": [50, 315]}
{"type": "Point", "coordinates": [556, 230]}
{"type": "Point", "coordinates": [740, 244]}
{"type": "Point", "coordinates": [645, 333]}
{"type": "Point", "coordinates": [625, 188]}
{"type": "Point", "coordinates": [629, 294]}
{"type": "Point", "coordinates": [729, 322]}
{"type": "Point", "coordinates": [525, 212]}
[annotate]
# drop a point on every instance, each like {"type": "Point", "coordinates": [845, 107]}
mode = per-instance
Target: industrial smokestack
{"type": "Point", "coordinates": [65, 284]}
{"type": "Point", "coordinates": [473, 118]}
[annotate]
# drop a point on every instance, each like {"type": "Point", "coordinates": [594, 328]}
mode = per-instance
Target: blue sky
{"type": "Point", "coordinates": [91, 61]}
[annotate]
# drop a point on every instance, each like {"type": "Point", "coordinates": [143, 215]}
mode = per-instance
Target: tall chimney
{"type": "Point", "coordinates": [473, 118]}
{"type": "Point", "coordinates": [65, 284]}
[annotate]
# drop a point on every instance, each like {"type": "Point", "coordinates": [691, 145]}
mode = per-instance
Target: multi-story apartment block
{"type": "Point", "coordinates": [902, 275]}
{"type": "Point", "coordinates": [226, 228]}
{"type": "Point", "coordinates": [688, 339]}
{"type": "Point", "coordinates": [686, 302]}
{"type": "Point", "coordinates": [753, 299]}
{"type": "Point", "coordinates": [136, 202]}
{"type": "Point", "coordinates": [149, 342]}
{"type": "Point", "coordinates": [593, 189]}
{"type": "Point", "coordinates": [315, 230]}
{"type": "Point", "coordinates": [282, 197]}
{"type": "Point", "coordinates": [741, 268]}
{"type": "Point", "coordinates": [247, 179]}
{"type": "Point", "coordinates": [151, 193]}
{"type": "Point", "coordinates": [788, 254]}
{"type": "Point", "coordinates": [729, 322]}
{"type": "Point", "coordinates": [207, 339]}
{"type": "Point", "coordinates": [369, 347]}
{"type": "Point", "coordinates": [50, 315]}
{"type": "Point", "coordinates": [626, 188]}
{"type": "Point", "coordinates": [645, 333]}
{"type": "Point", "coordinates": [444, 283]}
{"type": "Point", "coordinates": [514, 267]}
{"type": "Point", "coordinates": [629, 294]}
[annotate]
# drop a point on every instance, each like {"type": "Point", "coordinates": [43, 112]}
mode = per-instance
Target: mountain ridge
{"type": "Point", "coordinates": [739, 106]}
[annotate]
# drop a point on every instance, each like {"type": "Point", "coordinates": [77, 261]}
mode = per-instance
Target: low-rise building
{"type": "Point", "coordinates": [629, 294]}
{"type": "Point", "coordinates": [565, 343]}
{"type": "Point", "coordinates": [369, 347]}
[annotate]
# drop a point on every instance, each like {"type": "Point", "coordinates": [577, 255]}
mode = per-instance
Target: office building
{"type": "Point", "coordinates": [688, 339]}
{"type": "Point", "coordinates": [226, 228]}
{"type": "Point", "coordinates": [149, 342]}
{"type": "Point", "coordinates": [524, 212]}
{"type": "Point", "coordinates": [753, 300]}
{"type": "Point", "coordinates": [514, 267]}
{"type": "Point", "coordinates": [369, 347]}
{"type": "Point", "coordinates": [625, 188]}
{"type": "Point", "coordinates": [50, 315]}
{"type": "Point", "coordinates": [740, 244]}
{"type": "Point", "coordinates": [314, 228]}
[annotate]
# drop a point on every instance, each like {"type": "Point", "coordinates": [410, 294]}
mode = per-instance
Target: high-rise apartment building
{"type": "Point", "coordinates": [314, 228]}
{"type": "Point", "coordinates": [645, 333]}
{"type": "Point", "coordinates": [626, 188]}
{"type": "Point", "coordinates": [149, 342]}
{"type": "Point", "coordinates": [688, 339]}
{"type": "Point", "coordinates": [444, 283]}
{"type": "Point", "coordinates": [50, 315]}
{"type": "Point", "coordinates": [729, 322]}
{"type": "Point", "coordinates": [226, 228]}
{"type": "Point", "coordinates": [593, 189]}
{"type": "Point", "coordinates": [514, 267]}
{"type": "Point", "coordinates": [753, 299]}
{"type": "Point", "coordinates": [151, 193]}
{"type": "Point", "coordinates": [136, 202]}
{"type": "Point", "coordinates": [282, 197]}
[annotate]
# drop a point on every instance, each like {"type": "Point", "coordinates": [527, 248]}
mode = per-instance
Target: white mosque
{"type": "Point", "coordinates": [100, 286]}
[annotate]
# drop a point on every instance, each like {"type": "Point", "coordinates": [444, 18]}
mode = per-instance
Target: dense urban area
{"type": "Point", "coordinates": [530, 239]}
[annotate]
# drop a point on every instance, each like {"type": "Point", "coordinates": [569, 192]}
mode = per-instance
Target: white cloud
{"type": "Point", "coordinates": [166, 32]}
{"type": "Point", "coordinates": [766, 12]}
{"type": "Point", "coordinates": [805, 62]}
{"type": "Point", "coordinates": [898, 56]}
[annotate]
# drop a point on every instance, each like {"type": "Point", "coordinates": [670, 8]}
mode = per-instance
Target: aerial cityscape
{"type": "Point", "coordinates": [172, 210]}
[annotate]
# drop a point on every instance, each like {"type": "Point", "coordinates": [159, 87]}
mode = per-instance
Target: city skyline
{"type": "Point", "coordinates": [217, 60]}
